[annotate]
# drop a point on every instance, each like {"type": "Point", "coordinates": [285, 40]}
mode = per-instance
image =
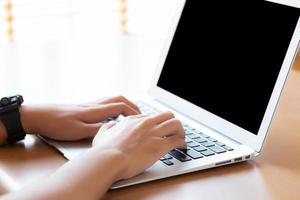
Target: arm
{"type": "Point", "coordinates": [88, 177]}
{"type": "Point", "coordinates": [119, 152]}
{"type": "Point", "coordinates": [71, 122]}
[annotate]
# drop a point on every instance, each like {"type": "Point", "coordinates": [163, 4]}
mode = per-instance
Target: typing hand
{"type": "Point", "coordinates": [141, 140]}
{"type": "Point", "coordinates": [74, 122]}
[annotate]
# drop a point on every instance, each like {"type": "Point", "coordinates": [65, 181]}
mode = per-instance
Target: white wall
{"type": "Point", "coordinates": [71, 51]}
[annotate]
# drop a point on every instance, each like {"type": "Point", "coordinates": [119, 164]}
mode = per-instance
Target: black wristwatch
{"type": "Point", "coordinates": [11, 118]}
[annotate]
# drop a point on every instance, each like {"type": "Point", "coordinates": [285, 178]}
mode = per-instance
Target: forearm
{"type": "Point", "coordinates": [88, 177]}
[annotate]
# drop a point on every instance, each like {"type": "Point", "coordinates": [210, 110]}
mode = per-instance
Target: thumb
{"type": "Point", "coordinates": [107, 126]}
{"type": "Point", "coordinates": [102, 130]}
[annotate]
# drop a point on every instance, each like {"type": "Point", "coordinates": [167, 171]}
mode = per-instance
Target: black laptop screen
{"type": "Point", "coordinates": [226, 57]}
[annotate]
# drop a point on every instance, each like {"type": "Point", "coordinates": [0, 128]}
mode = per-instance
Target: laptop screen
{"type": "Point", "coordinates": [226, 56]}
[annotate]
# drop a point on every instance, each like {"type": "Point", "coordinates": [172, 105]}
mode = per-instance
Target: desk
{"type": "Point", "coordinates": [273, 175]}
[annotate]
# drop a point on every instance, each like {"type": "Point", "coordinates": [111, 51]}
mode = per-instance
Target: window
{"type": "Point", "coordinates": [58, 42]}
{"type": "Point", "coordinates": [48, 19]}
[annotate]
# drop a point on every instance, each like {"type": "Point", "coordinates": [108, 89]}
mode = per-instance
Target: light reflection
{"type": "Point", "coordinates": [8, 182]}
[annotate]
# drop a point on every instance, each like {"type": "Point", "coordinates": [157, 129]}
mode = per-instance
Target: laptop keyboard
{"type": "Point", "coordinates": [199, 145]}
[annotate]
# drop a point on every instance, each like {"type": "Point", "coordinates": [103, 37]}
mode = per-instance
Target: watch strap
{"type": "Point", "coordinates": [13, 125]}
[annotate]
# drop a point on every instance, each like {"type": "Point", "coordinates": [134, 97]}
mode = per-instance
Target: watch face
{"type": "Point", "coordinates": [14, 99]}
{"type": "Point", "coordinates": [20, 99]}
{"type": "Point", "coordinates": [4, 101]}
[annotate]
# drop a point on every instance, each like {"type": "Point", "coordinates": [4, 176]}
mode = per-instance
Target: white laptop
{"type": "Point", "coordinates": [221, 72]}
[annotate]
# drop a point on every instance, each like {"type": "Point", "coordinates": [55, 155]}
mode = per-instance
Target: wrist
{"type": "Point", "coordinates": [27, 113]}
{"type": "Point", "coordinates": [115, 158]}
{"type": "Point", "coordinates": [3, 134]}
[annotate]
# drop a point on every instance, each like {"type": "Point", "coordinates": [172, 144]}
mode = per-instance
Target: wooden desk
{"type": "Point", "coordinates": [273, 175]}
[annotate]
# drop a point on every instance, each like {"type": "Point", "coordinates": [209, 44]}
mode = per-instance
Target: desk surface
{"type": "Point", "coordinates": [273, 175]}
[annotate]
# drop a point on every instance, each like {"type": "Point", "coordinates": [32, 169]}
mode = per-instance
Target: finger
{"type": "Point", "coordinates": [102, 130]}
{"type": "Point", "coordinates": [108, 125]}
{"type": "Point", "coordinates": [170, 127]}
{"type": "Point", "coordinates": [118, 99]}
{"type": "Point", "coordinates": [92, 129]}
{"type": "Point", "coordinates": [137, 116]}
{"type": "Point", "coordinates": [102, 112]}
{"type": "Point", "coordinates": [174, 142]}
{"type": "Point", "coordinates": [157, 119]}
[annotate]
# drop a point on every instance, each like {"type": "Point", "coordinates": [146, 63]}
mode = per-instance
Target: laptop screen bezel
{"type": "Point", "coordinates": [254, 141]}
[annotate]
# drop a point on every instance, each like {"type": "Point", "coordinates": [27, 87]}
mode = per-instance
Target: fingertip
{"type": "Point", "coordinates": [138, 111]}
{"type": "Point", "coordinates": [111, 124]}
{"type": "Point", "coordinates": [108, 125]}
{"type": "Point", "coordinates": [176, 142]}
{"type": "Point", "coordinates": [169, 113]}
{"type": "Point", "coordinates": [122, 98]}
{"type": "Point", "coordinates": [182, 146]}
{"type": "Point", "coordinates": [130, 111]}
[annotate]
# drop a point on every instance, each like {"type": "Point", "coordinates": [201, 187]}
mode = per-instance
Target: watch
{"type": "Point", "coordinates": [11, 118]}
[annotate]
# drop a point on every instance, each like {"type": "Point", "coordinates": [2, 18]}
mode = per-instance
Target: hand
{"type": "Point", "coordinates": [120, 151]}
{"type": "Point", "coordinates": [141, 140]}
{"type": "Point", "coordinates": [74, 122]}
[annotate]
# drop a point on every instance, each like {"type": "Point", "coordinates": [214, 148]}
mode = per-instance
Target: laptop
{"type": "Point", "coordinates": [221, 72]}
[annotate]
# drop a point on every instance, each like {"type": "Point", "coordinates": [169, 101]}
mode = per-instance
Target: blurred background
{"type": "Point", "coordinates": [72, 50]}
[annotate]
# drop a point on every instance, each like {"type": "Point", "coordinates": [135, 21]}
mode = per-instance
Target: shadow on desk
{"type": "Point", "coordinates": [171, 185]}
{"type": "Point", "coordinates": [26, 162]}
{"type": "Point", "coordinates": [23, 152]}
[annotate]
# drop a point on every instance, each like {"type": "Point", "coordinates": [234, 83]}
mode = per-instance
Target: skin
{"type": "Point", "coordinates": [119, 151]}
{"type": "Point", "coordinates": [75, 121]}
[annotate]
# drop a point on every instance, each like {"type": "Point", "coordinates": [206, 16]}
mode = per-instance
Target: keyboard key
{"type": "Point", "coordinates": [179, 156]}
{"type": "Point", "coordinates": [198, 132]}
{"type": "Point", "coordinates": [207, 153]}
{"type": "Point", "coordinates": [217, 149]}
{"type": "Point", "coordinates": [168, 162]}
{"type": "Point", "coordinates": [187, 140]}
{"type": "Point", "coordinates": [166, 157]}
{"type": "Point", "coordinates": [200, 148]}
{"type": "Point", "coordinates": [220, 144]}
{"type": "Point", "coordinates": [204, 135]}
{"type": "Point", "coordinates": [186, 127]}
{"type": "Point", "coordinates": [187, 132]}
{"type": "Point", "coordinates": [200, 140]}
{"type": "Point", "coordinates": [193, 154]}
{"type": "Point", "coordinates": [212, 139]}
{"type": "Point", "coordinates": [193, 144]}
{"type": "Point", "coordinates": [208, 144]}
{"type": "Point", "coordinates": [147, 109]}
{"type": "Point", "coordinates": [193, 136]}
{"type": "Point", "coordinates": [228, 148]}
